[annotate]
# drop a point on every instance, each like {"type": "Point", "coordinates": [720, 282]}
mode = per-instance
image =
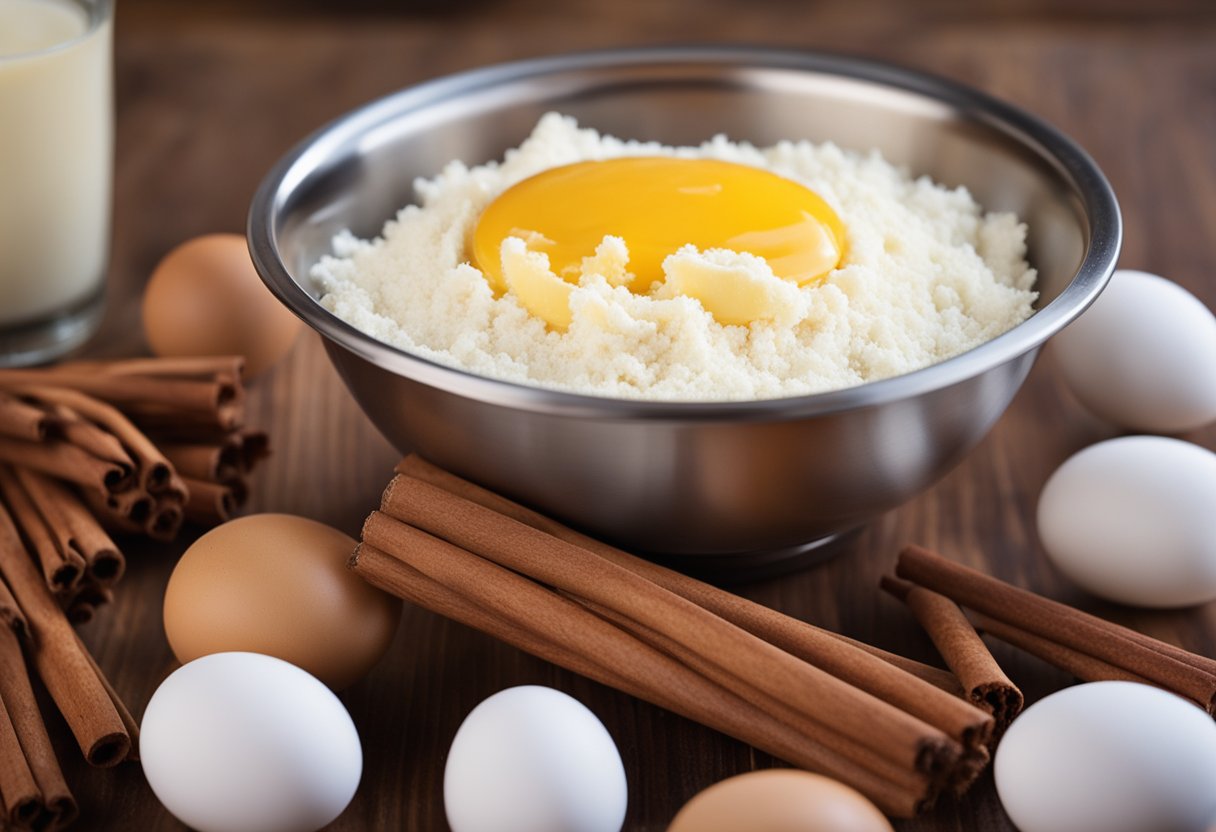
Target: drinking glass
{"type": "Point", "coordinates": [56, 168]}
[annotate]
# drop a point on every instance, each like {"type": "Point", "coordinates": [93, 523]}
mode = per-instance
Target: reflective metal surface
{"type": "Point", "coordinates": [727, 482]}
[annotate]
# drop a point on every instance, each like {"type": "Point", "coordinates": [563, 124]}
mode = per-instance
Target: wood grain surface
{"type": "Point", "coordinates": [210, 94]}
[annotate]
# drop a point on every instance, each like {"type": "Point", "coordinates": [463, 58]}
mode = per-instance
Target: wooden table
{"type": "Point", "coordinates": [210, 94]}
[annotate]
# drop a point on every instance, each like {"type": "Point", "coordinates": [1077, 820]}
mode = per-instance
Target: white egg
{"type": "Point", "coordinates": [1134, 520]}
{"type": "Point", "coordinates": [1143, 356]}
{"type": "Point", "coordinates": [532, 759]}
{"type": "Point", "coordinates": [1109, 756]}
{"type": "Point", "coordinates": [240, 742]}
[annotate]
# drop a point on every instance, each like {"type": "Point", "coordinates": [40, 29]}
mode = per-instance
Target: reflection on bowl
{"type": "Point", "coordinates": [736, 486]}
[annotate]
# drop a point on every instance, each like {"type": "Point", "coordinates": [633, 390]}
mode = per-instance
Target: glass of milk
{"type": "Point", "coordinates": [56, 163]}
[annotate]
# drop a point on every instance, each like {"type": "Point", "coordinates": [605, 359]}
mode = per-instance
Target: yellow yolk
{"type": "Point", "coordinates": [656, 205]}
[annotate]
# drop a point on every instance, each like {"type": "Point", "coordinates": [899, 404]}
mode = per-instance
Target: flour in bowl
{"type": "Point", "coordinates": [925, 275]}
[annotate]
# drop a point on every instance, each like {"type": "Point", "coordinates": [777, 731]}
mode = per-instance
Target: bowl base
{"type": "Point", "coordinates": [746, 567]}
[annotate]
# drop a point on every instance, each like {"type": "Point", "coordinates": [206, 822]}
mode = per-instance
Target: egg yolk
{"type": "Point", "coordinates": [656, 205]}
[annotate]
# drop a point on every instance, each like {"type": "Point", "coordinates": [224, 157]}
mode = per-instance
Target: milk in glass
{"type": "Point", "coordinates": [56, 157]}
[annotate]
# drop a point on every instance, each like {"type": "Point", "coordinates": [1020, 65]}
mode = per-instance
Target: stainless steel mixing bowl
{"type": "Point", "coordinates": [737, 486]}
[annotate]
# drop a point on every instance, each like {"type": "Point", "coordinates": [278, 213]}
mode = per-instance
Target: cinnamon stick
{"type": "Point", "coordinates": [168, 422]}
{"type": "Point", "coordinates": [111, 516]}
{"type": "Point", "coordinates": [208, 503]}
{"type": "Point", "coordinates": [131, 390]}
{"type": "Point", "coordinates": [61, 566]}
{"type": "Point", "coordinates": [240, 491]}
{"type": "Point", "coordinates": [81, 606]}
{"type": "Point", "coordinates": [1084, 667]}
{"type": "Point", "coordinates": [177, 489]}
{"type": "Point", "coordinates": [11, 616]}
{"type": "Point", "coordinates": [840, 657]}
{"type": "Point", "coordinates": [254, 446]}
{"type": "Point", "coordinates": [166, 520]}
{"type": "Point", "coordinates": [66, 461]}
{"type": "Point", "coordinates": [940, 679]}
{"type": "Point", "coordinates": [75, 527]}
{"type": "Point", "coordinates": [135, 505]}
{"type": "Point", "coordinates": [963, 650]}
{"type": "Point", "coordinates": [124, 713]}
{"type": "Point", "coordinates": [23, 713]}
{"type": "Point", "coordinates": [617, 659]}
{"type": "Point", "coordinates": [1194, 660]}
{"type": "Point", "coordinates": [20, 420]}
{"type": "Point", "coordinates": [67, 673]}
{"type": "Point", "coordinates": [737, 659]}
{"type": "Point", "coordinates": [969, 769]}
{"type": "Point", "coordinates": [90, 438]}
{"type": "Point", "coordinates": [20, 799]}
{"type": "Point", "coordinates": [80, 612]}
{"type": "Point", "coordinates": [1156, 662]}
{"type": "Point", "coordinates": [210, 462]}
{"type": "Point", "coordinates": [225, 459]}
{"type": "Point", "coordinates": [153, 469]}
{"type": "Point", "coordinates": [229, 368]}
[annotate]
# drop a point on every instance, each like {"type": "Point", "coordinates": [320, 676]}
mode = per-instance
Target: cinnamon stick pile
{"type": "Point", "coordinates": [133, 446]}
{"type": "Point", "coordinates": [33, 794]}
{"type": "Point", "coordinates": [894, 730]}
{"type": "Point", "coordinates": [1082, 644]}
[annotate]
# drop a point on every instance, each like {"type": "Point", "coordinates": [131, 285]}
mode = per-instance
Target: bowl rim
{"type": "Point", "coordinates": [1099, 206]}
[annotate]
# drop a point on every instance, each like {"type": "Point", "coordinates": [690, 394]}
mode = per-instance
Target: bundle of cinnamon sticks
{"type": "Point", "coordinates": [897, 731]}
{"type": "Point", "coordinates": [1074, 641]}
{"type": "Point", "coordinates": [33, 624]}
{"type": "Point", "coordinates": [132, 446]}
{"type": "Point", "coordinates": [136, 446]}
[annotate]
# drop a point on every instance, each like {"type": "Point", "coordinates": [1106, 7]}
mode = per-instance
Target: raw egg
{"type": "Point", "coordinates": [1143, 356]}
{"type": "Point", "coordinates": [779, 800]}
{"type": "Point", "coordinates": [1132, 520]}
{"type": "Point", "coordinates": [1109, 756]}
{"type": "Point", "coordinates": [238, 742]}
{"type": "Point", "coordinates": [205, 298]}
{"type": "Point", "coordinates": [656, 205]}
{"type": "Point", "coordinates": [532, 759]}
{"type": "Point", "coordinates": [278, 585]}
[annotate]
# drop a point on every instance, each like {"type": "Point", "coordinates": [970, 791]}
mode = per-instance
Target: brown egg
{"type": "Point", "coordinates": [278, 584]}
{"type": "Point", "coordinates": [779, 800]}
{"type": "Point", "coordinates": [205, 298]}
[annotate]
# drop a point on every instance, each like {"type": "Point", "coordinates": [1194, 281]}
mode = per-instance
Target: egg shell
{"type": "Point", "coordinates": [240, 742]}
{"type": "Point", "coordinates": [1143, 356]}
{"type": "Point", "coordinates": [532, 759]}
{"type": "Point", "coordinates": [1134, 520]}
{"type": "Point", "coordinates": [1109, 756]}
{"type": "Point", "coordinates": [279, 584]}
{"type": "Point", "coordinates": [779, 800]}
{"type": "Point", "coordinates": [205, 298]}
